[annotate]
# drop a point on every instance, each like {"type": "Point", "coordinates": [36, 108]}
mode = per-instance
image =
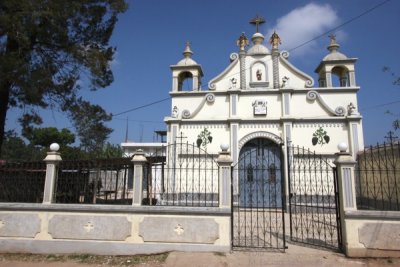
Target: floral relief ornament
{"type": "Point", "coordinates": [204, 138]}
{"type": "Point", "coordinates": [320, 137]}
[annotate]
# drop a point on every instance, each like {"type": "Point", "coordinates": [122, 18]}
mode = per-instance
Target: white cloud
{"type": "Point", "coordinates": [304, 24]}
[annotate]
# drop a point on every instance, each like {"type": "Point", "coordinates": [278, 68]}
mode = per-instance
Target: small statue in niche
{"type": "Point", "coordinates": [285, 81]}
{"type": "Point", "coordinates": [233, 83]}
{"type": "Point", "coordinates": [175, 112]}
{"type": "Point", "coordinates": [259, 75]}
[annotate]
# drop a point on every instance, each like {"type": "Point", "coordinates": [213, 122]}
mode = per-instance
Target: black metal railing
{"type": "Point", "coordinates": [378, 177]}
{"type": "Point", "coordinates": [100, 181]}
{"type": "Point", "coordinates": [181, 174]}
{"type": "Point", "coordinates": [313, 199]}
{"type": "Point", "coordinates": [22, 182]}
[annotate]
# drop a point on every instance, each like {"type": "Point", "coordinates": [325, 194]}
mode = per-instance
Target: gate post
{"type": "Point", "coordinates": [139, 160]}
{"type": "Point", "coordinates": [345, 165]}
{"type": "Point", "coordinates": [52, 159]}
{"type": "Point", "coordinates": [224, 172]}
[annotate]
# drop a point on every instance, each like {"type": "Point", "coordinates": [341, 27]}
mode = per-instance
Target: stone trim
{"type": "Point", "coordinates": [209, 211]}
{"type": "Point", "coordinates": [372, 215]}
{"type": "Point", "coordinates": [254, 135]}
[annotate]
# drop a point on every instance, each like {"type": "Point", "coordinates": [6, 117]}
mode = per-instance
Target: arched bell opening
{"type": "Point", "coordinates": [340, 77]}
{"type": "Point", "coordinates": [185, 81]}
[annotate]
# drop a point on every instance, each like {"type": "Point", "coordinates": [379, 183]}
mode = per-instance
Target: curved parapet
{"type": "Point", "coordinates": [209, 98]}
{"type": "Point", "coordinates": [234, 57]}
{"type": "Point", "coordinates": [338, 111]}
{"type": "Point", "coordinates": [309, 81]}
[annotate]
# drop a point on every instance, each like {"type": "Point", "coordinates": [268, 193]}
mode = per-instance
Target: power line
{"type": "Point", "coordinates": [341, 25]}
{"type": "Point", "coordinates": [294, 48]}
{"type": "Point", "coordinates": [136, 108]}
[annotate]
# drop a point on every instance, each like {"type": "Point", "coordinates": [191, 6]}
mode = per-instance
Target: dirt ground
{"type": "Point", "coordinates": [293, 257]}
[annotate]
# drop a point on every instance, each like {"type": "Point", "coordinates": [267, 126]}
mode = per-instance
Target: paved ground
{"type": "Point", "coordinates": [294, 256]}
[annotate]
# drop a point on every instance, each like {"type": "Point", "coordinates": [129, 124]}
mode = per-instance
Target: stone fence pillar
{"type": "Point", "coordinates": [224, 162]}
{"type": "Point", "coordinates": [52, 160]}
{"type": "Point", "coordinates": [139, 161]}
{"type": "Point", "coordinates": [345, 165]}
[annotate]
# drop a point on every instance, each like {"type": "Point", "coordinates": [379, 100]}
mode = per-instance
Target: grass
{"type": "Point", "coordinates": [88, 259]}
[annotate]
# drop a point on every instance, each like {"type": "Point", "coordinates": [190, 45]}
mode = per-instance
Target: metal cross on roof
{"type": "Point", "coordinates": [257, 21]}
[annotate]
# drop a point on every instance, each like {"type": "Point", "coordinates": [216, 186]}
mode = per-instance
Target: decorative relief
{"type": "Point", "coordinates": [88, 227]}
{"type": "Point", "coordinates": [233, 56]}
{"type": "Point", "coordinates": [352, 110]}
{"type": "Point", "coordinates": [285, 54]}
{"type": "Point", "coordinates": [313, 125]}
{"type": "Point", "coordinates": [314, 95]}
{"type": "Point", "coordinates": [285, 82]}
{"type": "Point", "coordinates": [260, 107]}
{"type": "Point", "coordinates": [85, 227]}
{"type": "Point", "coordinates": [204, 138]}
{"type": "Point", "coordinates": [321, 137]}
{"type": "Point", "coordinates": [257, 126]}
{"type": "Point", "coordinates": [233, 82]}
{"type": "Point", "coordinates": [208, 126]}
{"type": "Point", "coordinates": [182, 230]}
{"type": "Point", "coordinates": [209, 98]}
{"type": "Point", "coordinates": [175, 112]}
{"type": "Point", "coordinates": [179, 229]}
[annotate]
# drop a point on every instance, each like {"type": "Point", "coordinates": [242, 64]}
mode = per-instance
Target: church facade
{"type": "Point", "coordinates": [261, 99]}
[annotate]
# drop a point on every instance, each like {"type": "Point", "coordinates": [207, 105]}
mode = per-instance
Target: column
{"type": "Point", "coordinates": [224, 162]}
{"type": "Point", "coordinates": [139, 162]}
{"type": "Point", "coordinates": [345, 165]}
{"type": "Point", "coordinates": [52, 160]}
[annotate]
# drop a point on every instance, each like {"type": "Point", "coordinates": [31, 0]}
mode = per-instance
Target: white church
{"type": "Point", "coordinates": [261, 99]}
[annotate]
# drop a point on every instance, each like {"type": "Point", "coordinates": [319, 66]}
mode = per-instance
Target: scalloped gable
{"type": "Point", "coordinates": [224, 80]}
{"type": "Point", "coordinates": [298, 79]}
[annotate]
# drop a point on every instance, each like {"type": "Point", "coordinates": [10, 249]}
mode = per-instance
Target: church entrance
{"type": "Point", "coordinates": [257, 190]}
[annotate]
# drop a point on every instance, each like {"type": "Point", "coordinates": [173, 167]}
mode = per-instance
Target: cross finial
{"type": "Point", "coordinates": [332, 37]}
{"type": "Point", "coordinates": [257, 21]}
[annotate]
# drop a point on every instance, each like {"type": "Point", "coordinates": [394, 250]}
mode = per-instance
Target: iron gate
{"type": "Point", "coordinates": [313, 199]}
{"type": "Point", "coordinates": [257, 204]}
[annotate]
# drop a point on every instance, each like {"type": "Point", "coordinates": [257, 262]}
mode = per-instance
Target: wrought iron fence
{"type": "Point", "coordinates": [181, 174]}
{"type": "Point", "coordinates": [378, 177]}
{"type": "Point", "coordinates": [22, 182]}
{"type": "Point", "coordinates": [313, 199]}
{"type": "Point", "coordinates": [100, 181]}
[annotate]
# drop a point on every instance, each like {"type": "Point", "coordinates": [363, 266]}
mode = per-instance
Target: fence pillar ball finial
{"type": "Point", "coordinates": [54, 147]}
{"type": "Point", "coordinates": [224, 147]}
{"type": "Point", "coordinates": [342, 146]}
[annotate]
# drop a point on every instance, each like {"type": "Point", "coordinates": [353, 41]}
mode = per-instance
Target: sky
{"type": "Point", "coordinates": [151, 35]}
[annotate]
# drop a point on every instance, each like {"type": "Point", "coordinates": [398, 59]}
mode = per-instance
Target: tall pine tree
{"type": "Point", "coordinates": [46, 46]}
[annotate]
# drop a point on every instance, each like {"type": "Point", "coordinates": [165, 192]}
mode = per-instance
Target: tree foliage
{"type": "Point", "coordinates": [47, 46]}
{"type": "Point", "coordinates": [44, 137]}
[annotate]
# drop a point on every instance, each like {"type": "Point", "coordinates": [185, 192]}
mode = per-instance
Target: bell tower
{"type": "Point", "coordinates": [186, 71]}
{"type": "Point", "coordinates": [336, 69]}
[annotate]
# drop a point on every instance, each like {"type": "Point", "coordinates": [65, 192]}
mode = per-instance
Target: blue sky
{"type": "Point", "coordinates": [151, 36]}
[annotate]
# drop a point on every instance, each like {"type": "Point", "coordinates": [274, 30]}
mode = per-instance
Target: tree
{"type": "Point", "coordinates": [88, 121]}
{"type": "Point", "coordinates": [47, 46]}
{"type": "Point", "coordinates": [44, 137]}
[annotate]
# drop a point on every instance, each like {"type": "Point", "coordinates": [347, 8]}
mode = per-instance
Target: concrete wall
{"type": "Point", "coordinates": [111, 230]}
{"type": "Point", "coordinates": [372, 233]}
